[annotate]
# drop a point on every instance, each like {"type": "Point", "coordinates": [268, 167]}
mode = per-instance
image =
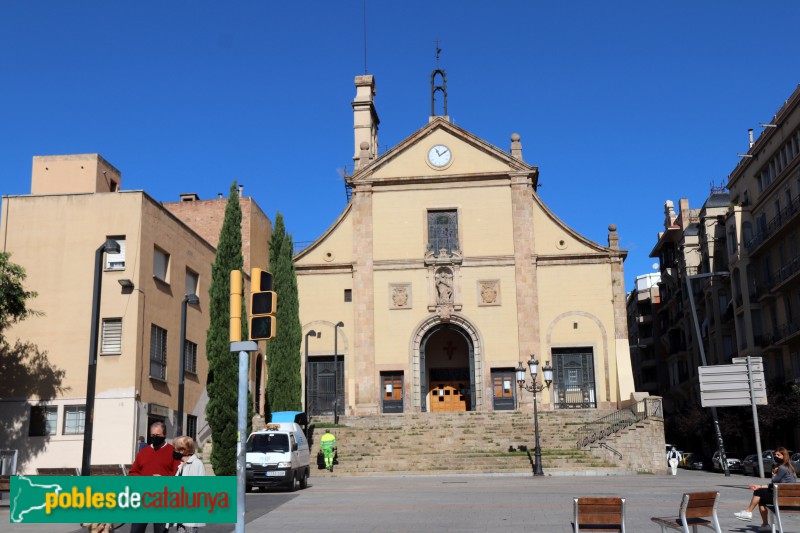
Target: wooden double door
{"type": "Point", "coordinates": [448, 397]}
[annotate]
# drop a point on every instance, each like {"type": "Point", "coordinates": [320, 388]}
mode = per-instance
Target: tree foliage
{"type": "Point", "coordinates": [284, 385]}
{"type": "Point", "coordinates": [13, 296]}
{"type": "Point", "coordinates": [223, 374]}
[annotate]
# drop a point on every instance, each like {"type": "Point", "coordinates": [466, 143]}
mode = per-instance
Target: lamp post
{"type": "Point", "coordinates": [340, 324]}
{"type": "Point", "coordinates": [194, 300]}
{"type": "Point", "coordinates": [309, 333]}
{"type": "Point", "coordinates": [535, 388]}
{"type": "Point", "coordinates": [723, 459]}
{"type": "Point", "coordinates": [112, 247]}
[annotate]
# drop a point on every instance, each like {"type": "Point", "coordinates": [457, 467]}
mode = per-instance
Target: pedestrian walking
{"type": "Point", "coordinates": [328, 446]}
{"type": "Point", "coordinates": [783, 472]}
{"type": "Point", "coordinates": [154, 460]}
{"type": "Point", "coordinates": [673, 458]}
{"type": "Point", "coordinates": [190, 465]}
{"type": "Point", "coordinates": [141, 444]}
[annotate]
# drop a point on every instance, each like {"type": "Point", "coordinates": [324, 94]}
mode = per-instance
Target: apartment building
{"type": "Point", "coordinates": [75, 205]}
{"type": "Point", "coordinates": [763, 231]}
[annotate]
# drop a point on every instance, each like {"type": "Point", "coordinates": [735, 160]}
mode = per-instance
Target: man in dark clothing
{"type": "Point", "coordinates": [154, 460]}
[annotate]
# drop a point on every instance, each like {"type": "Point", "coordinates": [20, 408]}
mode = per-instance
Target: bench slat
{"type": "Point", "coordinates": [599, 519]}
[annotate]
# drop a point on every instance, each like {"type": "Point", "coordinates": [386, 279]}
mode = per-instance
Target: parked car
{"type": "Point", "coordinates": [734, 464]}
{"type": "Point", "coordinates": [796, 461]}
{"type": "Point", "coordinates": [769, 462]}
{"type": "Point", "coordinates": [750, 465]}
{"type": "Point", "coordinates": [698, 462]}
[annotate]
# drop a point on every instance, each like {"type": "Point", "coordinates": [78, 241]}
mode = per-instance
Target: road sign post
{"type": "Point", "coordinates": [737, 384]}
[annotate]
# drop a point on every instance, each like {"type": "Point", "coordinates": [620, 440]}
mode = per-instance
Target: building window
{"type": "Point", "coordinates": [116, 261]}
{"type": "Point", "coordinates": [192, 279]}
{"type": "Point", "coordinates": [161, 265]}
{"type": "Point", "coordinates": [158, 352]}
{"type": "Point", "coordinates": [74, 419]}
{"type": "Point", "coordinates": [190, 357]}
{"type": "Point", "coordinates": [112, 336]}
{"type": "Point", "coordinates": [443, 231]}
{"type": "Point", "coordinates": [43, 420]}
{"type": "Point", "coordinates": [191, 426]}
{"type": "Point", "coordinates": [348, 295]}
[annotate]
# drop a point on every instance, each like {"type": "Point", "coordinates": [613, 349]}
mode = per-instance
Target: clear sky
{"type": "Point", "coordinates": [622, 105]}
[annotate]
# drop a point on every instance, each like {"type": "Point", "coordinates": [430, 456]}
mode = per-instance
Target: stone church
{"type": "Point", "coordinates": [444, 272]}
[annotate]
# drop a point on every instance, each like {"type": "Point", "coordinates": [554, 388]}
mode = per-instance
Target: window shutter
{"type": "Point", "coordinates": [117, 261]}
{"type": "Point", "coordinates": [112, 336]}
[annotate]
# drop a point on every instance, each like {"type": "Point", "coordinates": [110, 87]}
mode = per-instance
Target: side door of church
{"type": "Point", "coordinates": [392, 387]}
{"type": "Point", "coordinates": [503, 389]}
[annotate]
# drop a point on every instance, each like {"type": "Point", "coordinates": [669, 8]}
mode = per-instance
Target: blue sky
{"type": "Point", "coordinates": [622, 105]}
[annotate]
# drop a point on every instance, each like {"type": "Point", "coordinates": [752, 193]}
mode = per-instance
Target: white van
{"type": "Point", "coordinates": [278, 455]}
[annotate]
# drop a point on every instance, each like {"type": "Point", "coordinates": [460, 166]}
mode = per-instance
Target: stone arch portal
{"type": "Point", "coordinates": [450, 355]}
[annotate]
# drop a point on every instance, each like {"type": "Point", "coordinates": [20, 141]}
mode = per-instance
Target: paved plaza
{"type": "Point", "coordinates": [470, 503]}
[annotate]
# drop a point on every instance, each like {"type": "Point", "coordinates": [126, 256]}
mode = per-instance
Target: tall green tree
{"type": "Point", "coordinates": [284, 385]}
{"type": "Point", "coordinates": [221, 410]}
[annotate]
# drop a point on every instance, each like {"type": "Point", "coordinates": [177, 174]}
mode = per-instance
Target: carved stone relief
{"type": "Point", "coordinates": [488, 292]}
{"type": "Point", "coordinates": [400, 296]}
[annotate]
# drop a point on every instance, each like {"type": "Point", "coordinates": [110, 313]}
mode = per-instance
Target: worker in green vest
{"type": "Point", "coordinates": [328, 445]}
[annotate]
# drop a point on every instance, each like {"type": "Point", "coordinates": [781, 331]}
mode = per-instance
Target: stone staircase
{"type": "Point", "coordinates": [450, 443]}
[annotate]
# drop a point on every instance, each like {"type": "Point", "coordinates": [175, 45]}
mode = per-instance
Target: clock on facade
{"type": "Point", "coordinates": [439, 156]}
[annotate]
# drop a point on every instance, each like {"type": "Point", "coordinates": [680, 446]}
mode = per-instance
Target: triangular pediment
{"type": "Point", "coordinates": [470, 155]}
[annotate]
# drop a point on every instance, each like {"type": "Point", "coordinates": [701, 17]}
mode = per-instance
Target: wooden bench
{"type": "Point", "coordinates": [72, 471]}
{"type": "Point", "coordinates": [106, 470]}
{"type": "Point", "coordinates": [785, 499]}
{"type": "Point", "coordinates": [697, 509]}
{"type": "Point", "coordinates": [599, 514]}
{"type": "Point", "coordinates": [5, 485]}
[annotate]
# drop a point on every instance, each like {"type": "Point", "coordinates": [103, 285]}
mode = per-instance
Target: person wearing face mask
{"type": "Point", "coordinates": [190, 465]}
{"type": "Point", "coordinates": [154, 460]}
{"type": "Point", "coordinates": [762, 494]}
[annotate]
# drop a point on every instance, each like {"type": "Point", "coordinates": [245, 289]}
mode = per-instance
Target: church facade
{"type": "Point", "coordinates": [444, 272]}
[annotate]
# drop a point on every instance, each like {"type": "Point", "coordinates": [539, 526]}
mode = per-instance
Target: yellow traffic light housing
{"type": "Point", "coordinates": [263, 306]}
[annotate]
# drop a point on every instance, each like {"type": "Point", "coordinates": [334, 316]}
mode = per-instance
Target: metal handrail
{"type": "Point", "coordinates": [619, 420]}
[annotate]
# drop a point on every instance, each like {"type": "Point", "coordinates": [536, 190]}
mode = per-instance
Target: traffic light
{"type": "Point", "coordinates": [263, 305]}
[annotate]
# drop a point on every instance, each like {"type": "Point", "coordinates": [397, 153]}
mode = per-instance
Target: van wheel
{"type": "Point", "coordinates": [304, 480]}
{"type": "Point", "coordinates": [292, 484]}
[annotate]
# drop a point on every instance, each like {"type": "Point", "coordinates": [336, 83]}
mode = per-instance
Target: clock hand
{"type": "Point", "coordinates": [437, 152]}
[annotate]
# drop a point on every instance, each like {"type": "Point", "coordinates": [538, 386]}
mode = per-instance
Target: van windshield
{"type": "Point", "coordinates": [268, 443]}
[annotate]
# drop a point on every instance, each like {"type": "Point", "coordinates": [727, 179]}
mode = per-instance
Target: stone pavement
{"type": "Point", "coordinates": [473, 503]}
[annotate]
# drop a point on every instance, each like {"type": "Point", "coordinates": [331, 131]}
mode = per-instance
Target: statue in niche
{"type": "Point", "coordinates": [400, 296]}
{"type": "Point", "coordinates": [488, 293]}
{"type": "Point", "coordinates": [444, 286]}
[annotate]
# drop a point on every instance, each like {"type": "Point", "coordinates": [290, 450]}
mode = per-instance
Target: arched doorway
{"type": "Point", "coordinates": [447, 370]}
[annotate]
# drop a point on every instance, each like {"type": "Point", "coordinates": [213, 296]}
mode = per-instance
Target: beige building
{"type": "Point", "coordinates": [446, 271]}
{"type": "Point", "coordinates": [74, 206]}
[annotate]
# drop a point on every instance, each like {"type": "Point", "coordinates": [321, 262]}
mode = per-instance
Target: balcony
{"type": "Point", "coordinates": [774, 226]}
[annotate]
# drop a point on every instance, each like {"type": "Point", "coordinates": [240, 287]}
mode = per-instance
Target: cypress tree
{"type": "Point", "coordinates": [223, 373]}
{"type": "Point", "coordinates": [283, 353]}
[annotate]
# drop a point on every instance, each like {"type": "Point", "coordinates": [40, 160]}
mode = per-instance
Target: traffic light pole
{"type": "Point", "coordinates": [244, 349]}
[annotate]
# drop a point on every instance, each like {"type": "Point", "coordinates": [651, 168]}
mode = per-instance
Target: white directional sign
{"type": "Point", "coordinates": [729, 385]}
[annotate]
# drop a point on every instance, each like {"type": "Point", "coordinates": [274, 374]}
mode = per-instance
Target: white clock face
{"type": "Point", "coordinates": [439, 156]}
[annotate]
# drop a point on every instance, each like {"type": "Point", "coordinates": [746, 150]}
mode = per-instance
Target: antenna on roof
{"type": "Point", "coordinates": [438, 51]}
{"type": "Point", "coordinates": [365, 35]}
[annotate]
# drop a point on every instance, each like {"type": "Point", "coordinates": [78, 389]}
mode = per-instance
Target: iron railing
{"type": "Point", "coordinates": [619, 420]}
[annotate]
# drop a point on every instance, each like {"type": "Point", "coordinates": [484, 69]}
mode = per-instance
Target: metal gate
{"type": "Point", "coordinates": [573, 378]}
{"type": "Point", "coordinates": [321, 386]}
